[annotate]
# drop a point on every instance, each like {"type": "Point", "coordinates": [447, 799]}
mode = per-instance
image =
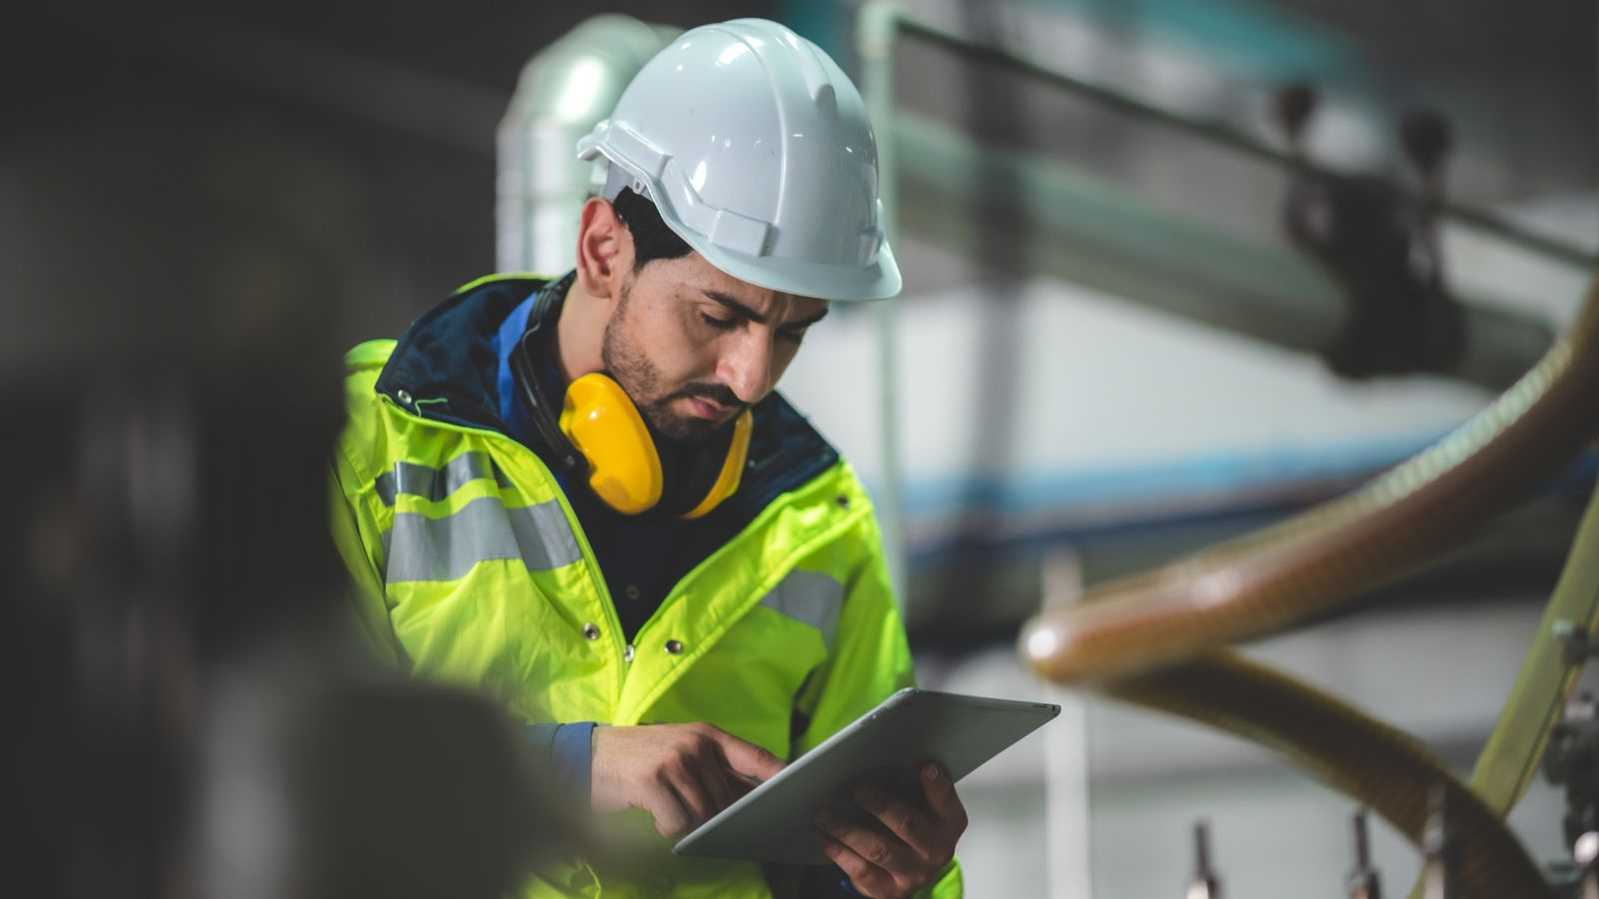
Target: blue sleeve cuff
{"type": "Point", "coordinates": [567, 751]}
{"type": "Point", "coordinates": [574, 752]}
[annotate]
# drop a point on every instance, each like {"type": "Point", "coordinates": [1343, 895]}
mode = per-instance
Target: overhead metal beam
{"type": "Point", "coordinates": [888, 23]}
{"type": "Point", "coordinates": [1086, 230]}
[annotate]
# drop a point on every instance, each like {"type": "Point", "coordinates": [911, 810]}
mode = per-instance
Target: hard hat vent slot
{"type": "Point", "coordinates": [827, 102]}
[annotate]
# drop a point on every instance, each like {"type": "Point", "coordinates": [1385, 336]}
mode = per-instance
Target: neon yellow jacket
{"type": "Point", "coordinates": [472, 569]}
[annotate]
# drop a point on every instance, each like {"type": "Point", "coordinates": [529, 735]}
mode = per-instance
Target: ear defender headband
{"type": "Point", "coordinates": [597, 434]}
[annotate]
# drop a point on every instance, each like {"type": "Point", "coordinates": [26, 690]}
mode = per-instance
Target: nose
{"type": "Point", "coordinates": [746, 368]}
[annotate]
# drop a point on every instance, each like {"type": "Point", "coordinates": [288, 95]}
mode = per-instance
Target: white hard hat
{"type": "Point", "coordinates": [757, 151]}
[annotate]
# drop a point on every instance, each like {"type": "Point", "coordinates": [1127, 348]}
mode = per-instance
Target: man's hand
{"type": "Point", "coordinates": [682, 774]}
{"type": "Point", "coordinates": [906, 846]}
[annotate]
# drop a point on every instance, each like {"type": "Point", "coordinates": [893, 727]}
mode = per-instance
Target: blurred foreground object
{"type": "Point", "coordinates": [194, 720]}
{"type": "Point", "coordinates": [363, 788]}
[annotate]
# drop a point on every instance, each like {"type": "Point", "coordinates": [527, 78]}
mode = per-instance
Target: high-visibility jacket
{"type": "Point", "coordinates": [471, 568]}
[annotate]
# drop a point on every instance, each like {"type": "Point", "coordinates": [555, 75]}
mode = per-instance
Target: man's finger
{"type": "Point", "coordinates": [667, 808]}
{"type": "Point", "coordinates": [941, 798]}
{"type": "Point", "coordinates": [903, 819]}
{"type": "Point", "coordinates": [716, 782]}
{"type": "Point", "coordinates": [868, 878]}
{"type": "Point", "coordinates": [871, 842]}
{"type": "Point", "coordinates": [746, 758]}
{"type": "Point", "coordinates": [687, 782]}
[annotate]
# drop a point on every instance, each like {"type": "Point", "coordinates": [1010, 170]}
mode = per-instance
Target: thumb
{"type": "Point", "coordinates": [746, 758]}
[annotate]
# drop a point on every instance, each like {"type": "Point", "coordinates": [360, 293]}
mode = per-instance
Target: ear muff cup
{"type": "Point", "coordinates": [624, 468]}
{"type": "Point", "coordinates": [631, 471]}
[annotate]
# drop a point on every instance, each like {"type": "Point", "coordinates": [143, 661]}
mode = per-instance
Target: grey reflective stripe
{"type": "Point", "coordinates": [546, 539]}
{"type": "Point", "coordinates": [435, 483]}
{"type": "Point", "coordinates": [811, 597]}
{"type": "Point", "coordinates": [420, 548]}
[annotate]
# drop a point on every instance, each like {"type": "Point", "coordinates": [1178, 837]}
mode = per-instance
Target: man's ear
{"type": "Point", "coordinates": [604, 250]}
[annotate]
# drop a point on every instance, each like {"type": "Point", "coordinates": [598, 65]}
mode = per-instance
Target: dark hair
{"type": "Point", "coordinates": [651, 238]}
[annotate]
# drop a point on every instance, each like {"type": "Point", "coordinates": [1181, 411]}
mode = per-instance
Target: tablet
{"type": "Point", "coordinates": [773, 822]}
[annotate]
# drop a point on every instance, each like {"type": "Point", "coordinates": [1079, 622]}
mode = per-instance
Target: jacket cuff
{"type": "Point", "coordinates": [565, 752]}
{"type": "Point", "coordinates": [574, 755]}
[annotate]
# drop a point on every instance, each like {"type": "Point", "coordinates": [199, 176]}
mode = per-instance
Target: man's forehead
{"type": "Point", "coordinates": [719, 285]}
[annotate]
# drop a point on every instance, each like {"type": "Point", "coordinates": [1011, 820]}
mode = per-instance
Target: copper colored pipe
{"type": "Point", "coordinates": [1349, 751]}
{"type": "Point", "coordinates": [1283, 574]}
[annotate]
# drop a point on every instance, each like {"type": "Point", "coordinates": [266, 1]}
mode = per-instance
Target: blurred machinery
{"type": "Point", "coordinates": [1572, 760]}
{"type": "Point", "coordinates": [1157, 639]}
{"type": "Point", "coordinates": [1382, 245]}
{"type": "Point", "coordinates": [1369, 247]}
{"type": "Point", "coordinates": [992, 191]}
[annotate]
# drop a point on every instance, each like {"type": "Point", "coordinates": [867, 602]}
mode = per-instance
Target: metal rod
{"type": "Point", "coordinates": [1202, 848]}
{"type": "Point", "coordinates": [1205, 884]}
{"type": "Point", "coordinates": [1438, 867]}
{"type": "Point", "coordinates": [1363, 882]}
{"type": "Point", "coordinates": [1217, 133]}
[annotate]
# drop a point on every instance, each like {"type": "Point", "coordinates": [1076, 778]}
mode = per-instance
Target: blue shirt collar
{"type": "Point", "coordinates": [511, 330]}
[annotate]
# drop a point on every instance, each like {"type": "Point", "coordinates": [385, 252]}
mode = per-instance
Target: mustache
{"type": "Point", "coordinates": [716, 393]}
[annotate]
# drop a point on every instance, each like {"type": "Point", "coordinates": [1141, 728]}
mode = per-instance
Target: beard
{"type": "Point", "coordinates": [627, 363]}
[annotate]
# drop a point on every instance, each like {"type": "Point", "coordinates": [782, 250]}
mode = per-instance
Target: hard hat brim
{"type": "Point", "coordinates": [878, 281]}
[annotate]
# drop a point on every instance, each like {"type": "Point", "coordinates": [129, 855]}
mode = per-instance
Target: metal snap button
{"type": "Point", "coordinates": [675, 647]}
{"type": "Point", "coordinates": [404, 396]}
{"type": "Point", "coordinates": [591, 631]}
{"type": "Point", "coordinates": [627, 653]}
{"type": "Point", "coordinates": [631, 591]}
{"type": "Point", "coordinates": [843, 502]}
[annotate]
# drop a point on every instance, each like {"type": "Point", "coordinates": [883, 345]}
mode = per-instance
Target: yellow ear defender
{"type": "Point", "coordinates": [624, 466]}
{"type": "Point", "coordinates": [600, 437]}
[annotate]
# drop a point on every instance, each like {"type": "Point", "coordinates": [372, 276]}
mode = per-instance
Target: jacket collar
{"type": "Point", "coordinates": [446, 364]}
{"type": "Point", "coordinates": [446, 367]}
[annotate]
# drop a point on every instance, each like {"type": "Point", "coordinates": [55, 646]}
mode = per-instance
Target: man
{"type": "Point", "coordinates": [583, 495]}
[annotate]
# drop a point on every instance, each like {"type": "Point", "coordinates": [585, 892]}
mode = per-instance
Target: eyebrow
{"type": "Point", "coordinates": [744, 311]}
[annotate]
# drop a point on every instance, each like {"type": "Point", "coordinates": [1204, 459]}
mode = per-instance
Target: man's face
{"type": "Point", "coordinates": [694, 347]}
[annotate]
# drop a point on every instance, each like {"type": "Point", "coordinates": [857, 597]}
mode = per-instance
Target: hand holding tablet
{"type": "Point", "coordinates": [882, 751]}
{"type": "Point", "coordinates": [899, 840]}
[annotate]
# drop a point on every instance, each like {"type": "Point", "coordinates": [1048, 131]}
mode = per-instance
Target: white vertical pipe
{"type": "Point", "coordinates": [875, 32]}
{"type": "Point", "coordinates": [1066, 764]}
{"type": "Point", "coordinates": [563, 91]}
